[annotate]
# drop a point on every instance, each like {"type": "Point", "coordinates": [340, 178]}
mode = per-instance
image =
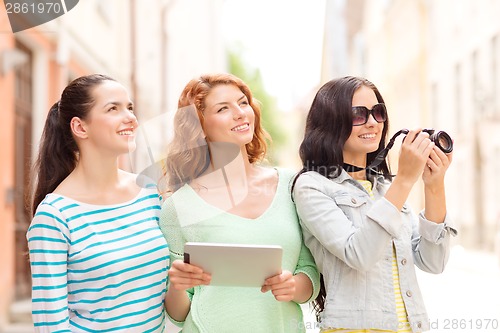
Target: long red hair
{"type": "Point", "coordinates": [185, 163]}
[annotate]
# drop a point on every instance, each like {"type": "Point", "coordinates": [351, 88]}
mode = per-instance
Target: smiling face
{"type": "Point", "coordinates": [365, 138]}
{"type": "Point", "coordinates": [111, 123]}
{"type": "Point", "coordinates": [228, 116]}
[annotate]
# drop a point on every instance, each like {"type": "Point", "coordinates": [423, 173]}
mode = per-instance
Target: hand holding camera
{"type": "Point", "coordinates": [414, 153]}
{"type": "Point", "coordinates": [438, 162]}
{"type": "Point", "coordinates": [417, 155]}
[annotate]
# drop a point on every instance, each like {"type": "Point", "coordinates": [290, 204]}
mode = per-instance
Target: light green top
{"type": "Point", "coordinates": [238, 309]}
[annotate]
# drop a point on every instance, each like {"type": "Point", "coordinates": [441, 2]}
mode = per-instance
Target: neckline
{"type": "Point", "coordinates": [81, 203]}
{"type": "Point", "coordinates": [224, 212]}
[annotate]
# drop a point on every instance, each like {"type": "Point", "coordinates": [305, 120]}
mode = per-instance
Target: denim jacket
{"type": "Point", "coordinates": [351, 237]}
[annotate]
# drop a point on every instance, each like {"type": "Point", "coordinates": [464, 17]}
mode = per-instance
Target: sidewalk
{"type": "Point", "coordinates": [18, 328]}
{"type": "Point", "coordinates": [466, 296]}
{"type": "Point", "coordinates": [21, 315]}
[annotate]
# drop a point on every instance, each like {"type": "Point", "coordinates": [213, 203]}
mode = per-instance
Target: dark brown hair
{"type": "Point", "coordinates": [58, 151]}
{"type": "Point", "coordinates": [328, 126]}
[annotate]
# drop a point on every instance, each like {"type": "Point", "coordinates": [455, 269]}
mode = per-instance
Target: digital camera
{"type": "Point", "coordinates": [441, 139]}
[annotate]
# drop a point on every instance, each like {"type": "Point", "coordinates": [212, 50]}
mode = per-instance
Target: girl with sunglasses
{"type": "Point", "coordinates": [365, 239]}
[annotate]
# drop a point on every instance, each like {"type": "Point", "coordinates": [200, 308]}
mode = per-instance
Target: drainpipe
{"type": "Point", "coordinates": [167, 5]}
{"type": "Point", "coordinates": [133, 75]}
{"type": "Point", "coordinates": [133, 53]}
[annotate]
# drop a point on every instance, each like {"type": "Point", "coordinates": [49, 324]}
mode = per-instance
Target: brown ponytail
{"type": "Point", "coordinates": [57, 155]}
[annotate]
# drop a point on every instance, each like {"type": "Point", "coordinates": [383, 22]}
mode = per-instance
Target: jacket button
{"type": "Point", "coordinates": [353, 201]}
{"type": "Point", "coordinates": [419, 324]}
{"type": "Point", "coordinates": [403, 262]}
{"type": "Point", "coordinates": [408, 293]}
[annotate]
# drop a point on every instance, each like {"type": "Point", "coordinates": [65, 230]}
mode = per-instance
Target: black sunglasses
{"type": "Point", "coordinates": [360, 114]}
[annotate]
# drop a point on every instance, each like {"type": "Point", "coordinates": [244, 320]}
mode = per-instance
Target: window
{"type": "Point", "coordinates": [495, 76]}
{"type": "Point", "coordinates": [23, 143]}
{"type": "Point", "coordinates": [459, 110]}
{"type": "Point", "coordinates": [105, 10]}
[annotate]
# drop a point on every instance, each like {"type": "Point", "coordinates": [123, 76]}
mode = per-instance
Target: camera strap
{"type": "Point", "coordinates": [373, 167]}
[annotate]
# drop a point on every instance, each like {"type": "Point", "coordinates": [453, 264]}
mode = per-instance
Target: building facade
{"type": "Point", "coordinates": [151, 47]}
{"type": "Point", "coordinates": [437, 65]}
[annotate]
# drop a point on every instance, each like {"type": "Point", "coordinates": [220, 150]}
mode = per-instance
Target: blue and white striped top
{"type": "Point", "coordinates": [98, 268]}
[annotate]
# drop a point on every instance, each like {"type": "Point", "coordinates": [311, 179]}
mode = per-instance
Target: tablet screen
{"type": "Point", "coordinates": [240, 265]}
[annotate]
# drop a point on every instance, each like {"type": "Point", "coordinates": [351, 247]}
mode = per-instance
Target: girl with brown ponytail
{"type": "Point", "coordinates": [98, 258]}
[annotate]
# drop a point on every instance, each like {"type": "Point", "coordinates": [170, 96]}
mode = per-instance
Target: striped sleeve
{"type": "Point", "coordinates": [48, 242]}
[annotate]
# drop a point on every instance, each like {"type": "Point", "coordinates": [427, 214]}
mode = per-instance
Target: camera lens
{"type": "Point", "coordinates": [443, 141]}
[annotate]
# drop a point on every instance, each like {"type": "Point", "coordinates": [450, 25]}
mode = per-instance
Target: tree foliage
{"type": "Point", "coordinates": [270, 112]}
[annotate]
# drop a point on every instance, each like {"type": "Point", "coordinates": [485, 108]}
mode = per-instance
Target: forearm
{"type": "Point", "coordinates": [398, 192]}
{"type": "Point", "coordinates": [303, 288]}
{"type": "Point", "coordinates": [435, 203]}
{"type": "Point", "coordinates": [177, 304]}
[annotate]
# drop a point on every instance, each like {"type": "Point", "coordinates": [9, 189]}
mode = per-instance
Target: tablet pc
{"type": "Point", "coordinates": [239, 265]}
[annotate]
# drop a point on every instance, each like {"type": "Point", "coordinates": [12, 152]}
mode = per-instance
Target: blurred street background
{"type": "Point", "coordinates": [437, 64]}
